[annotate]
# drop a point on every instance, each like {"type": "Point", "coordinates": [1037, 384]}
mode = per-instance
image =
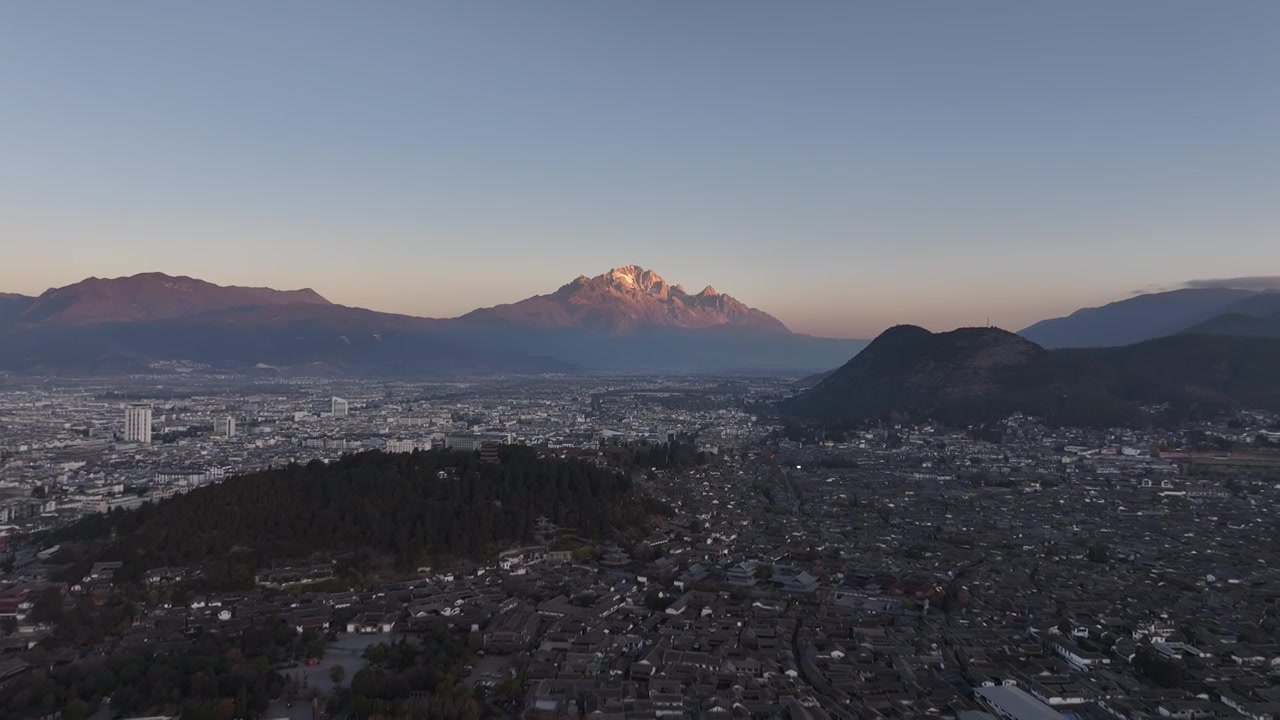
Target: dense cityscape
{"type": "Point", "coordinates": [893, 571]}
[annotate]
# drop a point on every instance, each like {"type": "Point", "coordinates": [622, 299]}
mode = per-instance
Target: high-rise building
{"type": "Point", "coordinates": [339, 407]}
{"type": "Point", "coordinates": [224, 426]}
{"type": "Point", "coordinates": [137, 423]}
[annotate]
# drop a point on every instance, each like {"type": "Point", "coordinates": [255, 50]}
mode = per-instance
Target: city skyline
{"type": "Point", "coordinates": [842, 167]}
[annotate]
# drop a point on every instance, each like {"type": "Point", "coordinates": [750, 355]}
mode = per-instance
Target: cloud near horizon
{"type": "Point", "coordinates": [1152, 289]}
{"type": "Point", "coordinates": [1257, 282]}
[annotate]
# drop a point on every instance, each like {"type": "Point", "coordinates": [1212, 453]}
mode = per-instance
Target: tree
{"type": "Point", "coordinates": [377, 654]}
{"type": "Point", "coordinates": [1234, 487]}
{"type": "Point", "coordinates": [643, 552]}
{"type": "Point", "coordinates": [77, 709]}
{"type": "Point", "coordinates": [655, 600]}
{"type": "Point", "coordinates": [336, 674]}
{"type": "Point", "coordinates": [510, 689]}
{"type": "Point", "coordinates": [415, 509]}
{"type": "Point", "coordinates": [47, 609]}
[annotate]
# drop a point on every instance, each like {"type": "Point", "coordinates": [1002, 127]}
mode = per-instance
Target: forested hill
{"type": "Point", "coordinates": [412, 508]}
{"type": "Point", "coordinates": [974, 375]}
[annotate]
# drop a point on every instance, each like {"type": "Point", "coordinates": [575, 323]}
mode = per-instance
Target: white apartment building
{"type": "Point", "coordinates": [340, 407]}
{"type": "Point", "coordinates": [224, 426]}
{"type": "Point", "coordinates": [137, 423]}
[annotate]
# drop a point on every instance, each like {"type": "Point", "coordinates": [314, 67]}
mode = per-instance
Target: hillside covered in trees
{"type": "Point", "coordinates": [977, 375]}
{"type": "Point", "coordinates": [410, 508]}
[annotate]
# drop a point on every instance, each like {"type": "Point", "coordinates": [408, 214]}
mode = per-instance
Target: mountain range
{"type": "Point", "coordinates": [623, 301]}
{"type": "Point", "coordinates": [981, 374]}
{"type": "Point", "coordinates": [628, 319]}
{"type": "Point", "coordinates": [1144, 317]}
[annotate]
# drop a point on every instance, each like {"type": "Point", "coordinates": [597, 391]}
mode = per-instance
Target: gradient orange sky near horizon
{"type": "Point", "coordinates": [842, 166]}
{"type": "Point", "coordinates": [930, 310]}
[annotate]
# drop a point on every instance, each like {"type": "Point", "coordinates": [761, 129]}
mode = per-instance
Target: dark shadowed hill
{"type": "Point", "coordinates": [910, 370]}
{"type": "Point", "coordinates": [1255, 316]}
{"type": "Point", "coordinates": [979, 374]}
{"type": "Point", "coordinates": [1258, 305]}
{"type": "Point", "coordinates": [11, 308]}
{"type": "Point", "coordinates": [809, 381]}
{"type": "Point", "coordinates": [1240, 325]}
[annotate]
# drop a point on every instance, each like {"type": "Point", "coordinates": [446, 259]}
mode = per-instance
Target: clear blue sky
{"type": "Point", "coordinates": [843, 165]}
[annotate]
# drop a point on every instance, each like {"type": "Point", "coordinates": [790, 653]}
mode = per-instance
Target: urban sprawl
{"type": "Point", "coordinates": [893, 570]}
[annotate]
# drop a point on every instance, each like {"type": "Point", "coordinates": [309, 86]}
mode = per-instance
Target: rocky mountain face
{"type": "Point", "coordinates": [631, 319]}
{"type": "Point", "coordinates": [980, 374]}
{"type": "Point", "coordinates": [624, 301]}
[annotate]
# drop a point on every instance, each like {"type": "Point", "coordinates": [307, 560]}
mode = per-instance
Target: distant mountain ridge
{"type": "Point", "coordinates": [628, 319]}
{"type": "Point", "coordinates": [150, 297]}
{"type": "Point", "coordinates": [1134, 319]}
{"type": "Point", "coordinates": [128, 324]}
{"type": "Point", "coordinates": [12, 306]}
{"type": "Point", "coordinates": [1149, 316]}
{"type": "Point", "coordinates": [980, 374]}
